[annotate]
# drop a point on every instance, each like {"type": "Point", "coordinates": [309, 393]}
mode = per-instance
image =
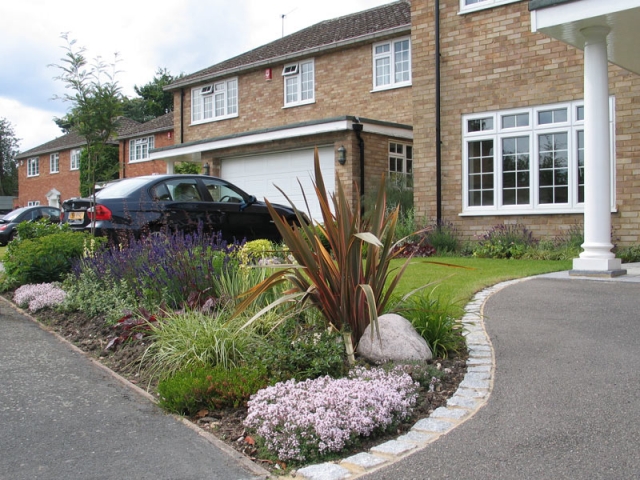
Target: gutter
{"type": "Point", "coordinates": [438, 123]}
{"type": "Point", "coordinates": [357, 128]}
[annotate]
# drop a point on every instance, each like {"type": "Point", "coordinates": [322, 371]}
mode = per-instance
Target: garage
{"type": "Point", "coordinates": [259, 175]}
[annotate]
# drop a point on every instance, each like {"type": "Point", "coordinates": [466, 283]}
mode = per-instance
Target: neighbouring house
{"type": "Point", "coordinates": [138, 140]}
{"type": "Point", "coordinates": [50, 173]}
{"type": "Point", "coordinates": [342, 85]}
{"type": "Point", "coordinates": [509, 115]}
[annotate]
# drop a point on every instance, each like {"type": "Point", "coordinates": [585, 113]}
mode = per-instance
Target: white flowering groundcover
{"type": "Point", "coordinates": [38, 296]}
{"type": "Point", "coordinates": [298, 420]}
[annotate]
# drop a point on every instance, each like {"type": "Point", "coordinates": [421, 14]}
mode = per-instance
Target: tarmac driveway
{"type": "Point", "coordinates": [566, 399]}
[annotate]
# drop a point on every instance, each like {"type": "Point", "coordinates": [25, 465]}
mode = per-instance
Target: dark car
{"type": "Point", "coordinates": [10, 221]}
{"type": "Point", "coordinates": [159, 203]}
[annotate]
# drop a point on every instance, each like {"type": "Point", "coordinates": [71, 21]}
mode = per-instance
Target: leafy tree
{"type": "Point", "coordinates": [187, 167]}
{"type": "Point", "coordinates": [153, 101]}
{"type": "Point", "coordinates": [96, 104]}
{"type": "Point", "coordinates": [8, 151]}
{"type": "Point", "coordinates": [106, 168]}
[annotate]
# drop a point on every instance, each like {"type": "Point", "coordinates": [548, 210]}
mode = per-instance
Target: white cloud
{"type": "Point", "coordinates": [183, 37]}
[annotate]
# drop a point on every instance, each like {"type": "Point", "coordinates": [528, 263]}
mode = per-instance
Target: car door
{"type": "Point", "coordinates": [185, 205]}
{"type": "Point", "coordinates": [243, 219]}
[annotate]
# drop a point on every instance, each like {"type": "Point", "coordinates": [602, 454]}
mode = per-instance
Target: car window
{"type": "Point", "coordinates": [222, 192]}
{"type": "Point", "coordinates": [178, 190]}
{"type": "Point", "coordinates": [13, 215]}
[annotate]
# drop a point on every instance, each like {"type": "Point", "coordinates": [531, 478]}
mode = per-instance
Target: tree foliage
{"type": "Point", "coordinates": [96, 104]}
{"type": "Point", "coordinates": [8, 151]}
{"type": "Point", "coordinates": [153, 101]}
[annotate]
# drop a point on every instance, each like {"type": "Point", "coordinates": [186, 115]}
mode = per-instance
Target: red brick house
{"type": "Point", "coordinates": [50, 173]}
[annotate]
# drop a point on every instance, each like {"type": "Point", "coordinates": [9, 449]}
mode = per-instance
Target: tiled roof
{"type": "Point", "coordinates": [158, 124]}
{"type": "Point", "coordinates": [126, 128]}
{"type": "Point", "coordinates": [322, 36]}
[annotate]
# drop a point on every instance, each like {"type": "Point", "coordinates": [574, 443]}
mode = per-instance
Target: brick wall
{"type": "Point", "coordinates": [343, 84]}
{"type": "Point", "coordinates": [145, 167]}
{"type": "Point", "coordinates": [490, 60]}
{"type": "Point", "coordinates": [67, 181]}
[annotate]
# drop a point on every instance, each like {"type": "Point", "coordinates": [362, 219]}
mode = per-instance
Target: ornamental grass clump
{"type": "Point", "coordinates": [38, 296]}
{"type": "Point", "coordinates": [301, 421]}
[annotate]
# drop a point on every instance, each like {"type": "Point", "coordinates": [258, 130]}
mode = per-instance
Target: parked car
{"type": "Point", "coordinates": [157, 203]}
{"type": "Point", "coordinates": [10, 221]}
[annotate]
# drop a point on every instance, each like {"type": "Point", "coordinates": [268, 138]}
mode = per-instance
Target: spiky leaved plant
{"type": "Point", "coordinates": [351, 282]}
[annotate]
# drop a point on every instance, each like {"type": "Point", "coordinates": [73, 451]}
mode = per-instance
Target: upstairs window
{"type": "Point", "coordinates": [33, 167]}
{"type": "Point", "coordinates": [54, 163]}
{"type": "Point", "coordinates": [214, 102]}
{"type": "Point", "coordinates": [299, 83]}
{"type": "Point", "coordinates": [139, 148]}
{"type": "Point", "coordinates": [392, 64]}
{"type": "Point", "coordinates": [75, 159]}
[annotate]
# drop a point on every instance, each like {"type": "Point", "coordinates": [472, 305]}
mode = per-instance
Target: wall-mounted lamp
{"type": "Point", "coordinates": [206, 169]}
{"type": "Point", "coordinates": [342, 155]}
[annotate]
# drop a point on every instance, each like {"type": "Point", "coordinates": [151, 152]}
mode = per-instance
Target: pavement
{"type": "Point", "coordinates": [551, 392]}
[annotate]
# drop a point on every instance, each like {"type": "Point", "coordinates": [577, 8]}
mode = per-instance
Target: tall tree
{"type": "Point", "coordinates": [153, 101]}
{"type": "Point", "coordinates": [96, 104]}
{"type": "Point", "coordinates": [8, 150]}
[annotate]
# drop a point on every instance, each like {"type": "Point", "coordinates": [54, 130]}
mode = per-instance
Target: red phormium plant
{"type": "Point", "coordinates": [351, 282]}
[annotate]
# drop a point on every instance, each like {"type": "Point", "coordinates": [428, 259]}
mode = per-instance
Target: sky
{"type": "Point", "coordinates": [182, 37]}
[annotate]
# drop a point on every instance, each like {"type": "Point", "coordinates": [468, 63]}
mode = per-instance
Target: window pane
{"type": "Point", "coordinates": [480, 124]}
{"type": "Point", "coordinates": [581, 166]}
{"type": "Point", "coordinates": [383, 71]}
{"type": "Point", "coordinates": [401, 60]}
{"type": "Point", "coordinates": [232, 97]}
{"type": "Point", "coordinates": [481, 175]}
{"type": "Point", "coordinates": [580, 113]}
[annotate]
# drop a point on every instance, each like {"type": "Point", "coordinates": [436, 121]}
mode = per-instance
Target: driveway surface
{"type": "Point", "coordinates": [64, 417]}
{"type": "Point", "coordinates": [565, 401]}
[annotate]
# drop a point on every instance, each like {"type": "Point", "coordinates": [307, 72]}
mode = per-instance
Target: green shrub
{"type": "Point", "coordinates": [505, 241]}
{"type": "Point", "coordinates": [302, 350]}
{"type": "Point", "coordinates": [256, 250]}
{"type": "Point", "coordinates": [444, 238]}
{"type": "Point", "coordinates": [44, 259]}
{"type": "Point", "coordinates": [629, 254]}
{"type": "Point", "coordinates": [98, 296]}
{"type": "Point", "coordinates": [40, 228]}
{"type": "Point", "coordinates": [188, 391]}
{"type": "Point", "coordinates": [436, 319]}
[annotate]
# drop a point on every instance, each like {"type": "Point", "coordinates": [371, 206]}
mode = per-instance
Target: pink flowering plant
{"type": "Point", "coordinates": [301, 421]}
{"type": "Point", "coordinates": [38, 296]}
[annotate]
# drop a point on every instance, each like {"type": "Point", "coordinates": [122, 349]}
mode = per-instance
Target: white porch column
{"type": "Point", "coordinates": [596, 258]}
{"type": "Point", "coordinates": [170, 166]}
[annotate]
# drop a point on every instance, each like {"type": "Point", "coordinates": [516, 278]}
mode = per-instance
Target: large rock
{"type": "Point", "coordinates": [400, 341]}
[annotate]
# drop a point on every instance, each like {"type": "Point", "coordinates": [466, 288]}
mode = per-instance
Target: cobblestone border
{"type": "Point", "coordinates": [473, 392]}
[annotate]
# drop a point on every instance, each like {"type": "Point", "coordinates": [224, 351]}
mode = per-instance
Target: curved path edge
{"type": "Point", "coordinates": [472, 394]}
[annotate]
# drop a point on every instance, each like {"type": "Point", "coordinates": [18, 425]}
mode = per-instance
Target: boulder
{"type": "Point", "coordinates": [400, 341]}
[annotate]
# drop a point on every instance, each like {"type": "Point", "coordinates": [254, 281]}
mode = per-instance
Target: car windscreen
{"type": "Point", "coordinates": [122, 189]}
{"type": "Point", "coordinates": [13, 215]}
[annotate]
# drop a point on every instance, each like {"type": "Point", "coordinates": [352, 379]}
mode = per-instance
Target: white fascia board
{"type": "Point", "coordinates": [194, 150]}
{"type": "Point", "coordinates": [577, 11]}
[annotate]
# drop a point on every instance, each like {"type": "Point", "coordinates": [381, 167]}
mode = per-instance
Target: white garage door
{"type": "Point", "coordinates": [259, 175]}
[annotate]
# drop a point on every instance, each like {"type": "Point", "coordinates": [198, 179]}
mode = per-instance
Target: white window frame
{"type": "Point", "coordinates": [497, 133]}
{"type": "Point", "coordinates": [401, 177]}
{"type": "Point", "coordinates": [54, 163]}
{"type": "Point", "coordinates": [139, 148]}
{"type": "Point", "coordinates": [74, 159]}
{"type": "Point", "coordinates": [297, 84]}
{"type": "Point", "coordinates": [213, 102]}
{"type": "Point", "coordinates": [389, 55]}
{"type": "Point", "coordinates": [468, 6]}
{"type": "Point", "coordinates": [33, 203]}
{"type": "Point", "coordinates": [33, 167]}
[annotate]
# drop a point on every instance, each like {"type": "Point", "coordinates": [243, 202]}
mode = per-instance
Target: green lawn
{"type": "Point", "coordinates": [459, 278]}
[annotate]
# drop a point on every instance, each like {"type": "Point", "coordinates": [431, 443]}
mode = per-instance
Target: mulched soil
{"type": "Point", "coordinates": [92, 336]}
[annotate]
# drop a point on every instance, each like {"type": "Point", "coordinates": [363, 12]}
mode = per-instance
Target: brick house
{"type": "Point", "coordinates": [342, 85]}
{"type": "Point", "coordinates": [50, 173]}
{"type": "Point", "coordinates": [512, 119]}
